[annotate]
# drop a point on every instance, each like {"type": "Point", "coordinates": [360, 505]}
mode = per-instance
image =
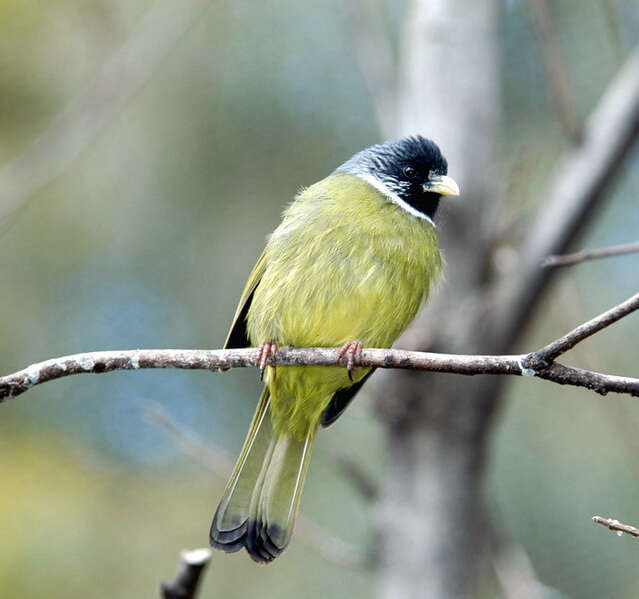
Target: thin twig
{"type": "Point", "coordinates": [617, 526]}
{"type": "Point", "coordinates": [192, 566]}
{"type": "Point", "coordinates": [551, 351]}
{"type": "Point", "coordinates": [570, 259]}
{"type": "Point", "coordinates": [330, 547]}
{"type": "Point", "coordinates": [556, 69]}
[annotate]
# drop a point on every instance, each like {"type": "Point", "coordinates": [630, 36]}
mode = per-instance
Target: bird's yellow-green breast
{"type": "Point", "coordinates": [344, 264]}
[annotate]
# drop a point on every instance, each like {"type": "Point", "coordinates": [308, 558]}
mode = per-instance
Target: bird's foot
{"type": "Point", "coordinates": [353, 353]}
{"type": "Point", "coordinates": [266, 351]}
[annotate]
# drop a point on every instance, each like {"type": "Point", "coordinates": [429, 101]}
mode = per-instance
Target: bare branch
{"type": "Point", "coordinates": [100, 362]}
{"type": "Point", "coordinates": [584, 255]}
{"type": "Point", "coordinates": [119, 80]}
{"type": "Point", "coordinates": [576, 377]}
{"type": "Point", "coordinates": [569, 340]}
{"type": "Point", "coordinates": [192, 566]}
{"type": "Point", "coordinates": [539, 364]}
{"type": "Point", "coordinates": [556, 69]}
{"type": "Point", "coordinates": [616, 526]}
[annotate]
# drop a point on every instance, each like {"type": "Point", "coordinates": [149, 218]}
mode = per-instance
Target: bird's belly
{"type": "Point", "coordinates": [299, 395]}
{"type": "Point", "coordinates": [318, 293]}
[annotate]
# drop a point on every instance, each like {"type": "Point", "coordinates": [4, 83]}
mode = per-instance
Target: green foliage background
{"type": "Point", "coordinates": [146, 240]}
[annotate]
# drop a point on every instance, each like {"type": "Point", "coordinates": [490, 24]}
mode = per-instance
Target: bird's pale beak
{"type": "Point", "coordinates": [443, 185]}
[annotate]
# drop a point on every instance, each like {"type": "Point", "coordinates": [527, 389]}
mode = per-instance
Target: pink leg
{"type": "Point", "coordinates": [266, 351]}
{"type": "Point", "coordinates": [353, 353]}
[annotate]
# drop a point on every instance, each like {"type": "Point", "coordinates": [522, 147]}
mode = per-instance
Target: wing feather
{"type": "Point", "coordinates": [341, 400]}
{"type": "Point", "coordinates": [238, 335]}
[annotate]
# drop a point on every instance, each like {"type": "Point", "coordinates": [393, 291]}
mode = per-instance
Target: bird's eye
{"type": "Point", "coordinates": [409, 172]}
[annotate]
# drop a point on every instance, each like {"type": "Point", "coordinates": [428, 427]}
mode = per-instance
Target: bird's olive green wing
{"type": "Point", "coordinates": [238, 335]}
{"type": "Point", "coordinates": [341, 400]}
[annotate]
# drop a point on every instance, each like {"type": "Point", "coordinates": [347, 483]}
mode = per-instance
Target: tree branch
{"type": "Point", "coordinates": [540, 364]}
{"type": "Point", "coordinates": [551, 351]}
{"type": "Point", "coordinates": [192, 566]}
{"type": "Point", "coordinates": [616, 526]}
{"type": "Point", "coordinates": [584, 255]}
{"type": "Point", "coordinates": [100, 362]}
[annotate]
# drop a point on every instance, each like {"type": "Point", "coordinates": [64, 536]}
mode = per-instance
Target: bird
{"type": "Point", "coordinates": [350, 265]}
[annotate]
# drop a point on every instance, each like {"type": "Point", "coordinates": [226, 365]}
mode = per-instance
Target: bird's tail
{"type": "Point", "coordinates": [262, 498]}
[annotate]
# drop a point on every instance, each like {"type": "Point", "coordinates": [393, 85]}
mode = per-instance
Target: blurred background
{"type": "Point", "coordinates": [145, 240]}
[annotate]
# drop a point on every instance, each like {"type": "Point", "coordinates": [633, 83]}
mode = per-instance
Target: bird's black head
{"type": "Point", "coordinates": [411, 172]}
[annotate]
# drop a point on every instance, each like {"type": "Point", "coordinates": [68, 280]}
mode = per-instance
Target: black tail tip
{"type": "Point", "coordinates": [229, 541]}
{"type": "Point", "coordinates": [252, 535]}
{"type": "Point", "coordinates": [260, 543]}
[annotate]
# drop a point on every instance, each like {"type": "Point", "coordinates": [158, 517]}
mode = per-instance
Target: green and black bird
{"type": "Point", "coordinates": [350, 265]}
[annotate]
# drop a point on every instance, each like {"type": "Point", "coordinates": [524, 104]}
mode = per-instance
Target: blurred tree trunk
{"type": "Point", "coordinates": [438, 425]}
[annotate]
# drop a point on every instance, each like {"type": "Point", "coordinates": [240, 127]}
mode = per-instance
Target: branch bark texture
{"type": "Point", "coordinates": [585, 255]}
{"type": "Point", "coordinates": [101, 362]}
{"type": "Point", "coordinates": [616, 526]}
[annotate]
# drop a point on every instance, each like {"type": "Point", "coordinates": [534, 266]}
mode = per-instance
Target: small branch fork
{"type": "Point", "coordinates": [540, 364]}
{"type": "Point", "coordinates": [553, 350]}
{"type": "Point", "coordinates": [616, 526]}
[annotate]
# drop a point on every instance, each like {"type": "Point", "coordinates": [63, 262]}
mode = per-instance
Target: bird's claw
{"type": "Point", "coordinates": [266, 351]}
{"type": "Point", "coordinates": [353, 352]}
